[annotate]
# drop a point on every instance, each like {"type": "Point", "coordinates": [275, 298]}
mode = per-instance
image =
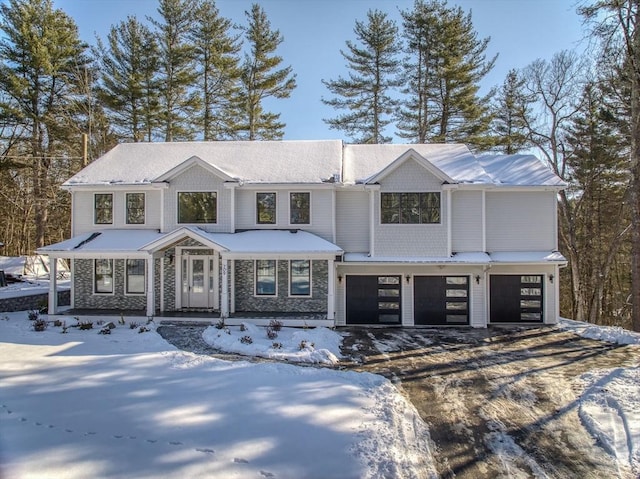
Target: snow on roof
{"type": "Point", "coordinates": [527, 257]}
{"type": "Point", "coordinates": [273, 241]}
{"type": "Point", "coordinates": [463, 258]}
{"type": "Point", "coordinates": [455, 160]}
{"type": "Point", "coordinates": [249, 161]}
{"type": "Point", "coordinates": [306, 162]}
{"type": "Point", "coordinates": [105, 241]}
{"type": "Point", "coordinates": [519, 170]}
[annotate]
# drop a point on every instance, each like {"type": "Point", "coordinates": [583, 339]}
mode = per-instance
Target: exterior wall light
{"type": "Point", "coordinates": [477, 279]}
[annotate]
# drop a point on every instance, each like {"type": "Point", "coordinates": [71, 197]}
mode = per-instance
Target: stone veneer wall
{"type": "Point", "coordinates": [247, 301]}
{"type": "Point", "coordinates": [33, 301]}
{"type": "Point", "coordinates": [85, 297]}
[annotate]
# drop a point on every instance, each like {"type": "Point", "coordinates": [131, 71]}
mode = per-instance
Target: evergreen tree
{"type": "Point", "coordinates": [365, 95]}
{"type": "Point", "coordinates": [445, 64]}
{"type": "Point", "coordinates": [178, 101]}
{"type": "Point", "coordinates": [41, 56]}
{"type": "Point", "coordinates": [511, 115]}
{"type": "Point", "coordinates": [128, 81]}
{"type": "Point", "coordinates": [261, 78]}
{"type": "Point", "coordinates": [216, 54]}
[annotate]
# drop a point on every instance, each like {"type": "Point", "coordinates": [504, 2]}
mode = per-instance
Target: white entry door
{"type": "Point", "coordinates": [199, 282]}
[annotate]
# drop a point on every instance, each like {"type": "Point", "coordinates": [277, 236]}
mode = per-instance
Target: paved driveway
{"type": "Point", "coordinates": [496, 393]}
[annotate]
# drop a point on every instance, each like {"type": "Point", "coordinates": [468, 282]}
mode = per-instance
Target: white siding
{"type": "Point", "coordinates": [466, 221]}
{"type": "Point", "coordinates": [521, 221]}
{"type": "Point", "coordinates": [83, 214]}
{"type": "Point", "coordinates": [197, 178]}
{"type": "Point", "coordinates": [411, 239]}
{"type": "Point", "coordinates": [321, 210]}
{"type": "Point", "coordinates": [352, 221]}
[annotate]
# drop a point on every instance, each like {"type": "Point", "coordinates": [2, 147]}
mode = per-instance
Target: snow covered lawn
{"type": "Point", "coordinates": [128, 404]}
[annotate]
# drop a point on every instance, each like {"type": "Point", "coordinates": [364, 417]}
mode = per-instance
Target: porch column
{"type": "Point", "coordinates": [224, 294]}
{"type": "Point", "coordinates": [151, 294]}
{"type": "Point", "coordinates": [53, 285]}
{"type": "Point", "coordinates": [331, 290]}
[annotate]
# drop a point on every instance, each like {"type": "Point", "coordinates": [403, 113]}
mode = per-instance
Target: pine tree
{"type": "Point", "coordinates": [261, 79]}
{"type": "Point", "coordinates": [446, 62]}
{"type": "Point", "coordinates": [41, 56]}
{"type": "Point", "coordinates": [178, 100]}
{"type": "Point", "coordinates": [128, 80]}
{"type": "Point", "coordinates": [366, 93]}
{"type": "Point", "coordinates": [216, 54]}
{"type": "Point", "coordinates": [511, 115]}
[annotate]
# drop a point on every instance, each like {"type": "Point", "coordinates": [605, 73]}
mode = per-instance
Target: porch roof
{"type": "Point", "coordinates": [243, 244]}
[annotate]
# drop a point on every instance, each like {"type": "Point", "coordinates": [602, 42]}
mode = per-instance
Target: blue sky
{"type": "Point", "coordinates": [316, 30]}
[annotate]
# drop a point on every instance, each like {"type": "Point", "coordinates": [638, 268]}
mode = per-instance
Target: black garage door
{"type": "Point", "coordinates": [373, 299]}
{"type": "Point", "coordinates": [516, 298]}
{"type": "Point", "coordinates": [441, 300]}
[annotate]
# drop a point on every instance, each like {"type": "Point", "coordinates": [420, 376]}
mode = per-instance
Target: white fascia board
{"type": "Point", "coordinates": [109, 186]}
{"type": "Point", "coordinates": [97, 254]}
{"type": "Point", "coordinates": [524, 188]}
{"type": "Point", "coordinates": [280, 255]}
{"type": "Point", "coordinates": [286, 186]}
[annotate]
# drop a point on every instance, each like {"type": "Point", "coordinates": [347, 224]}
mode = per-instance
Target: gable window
{"type": "Point", "coordinates": [299, 208]}
{"type": "Point", "coordinates": [410, 208]}
{"type": "Point", "coordinates": [265, 277]}
{"type": "Point", "coordinates": [266, 208]}
{"type": "Point", "coordinates": [135, 276]}
{"type": "Point", "coordinates": [135, 208]}
{"type": "Point", "coordinates": [103, 276]}
{"type": "Point", "coordinates": [300, 277]}
{"type": "Point", "coordinates": [103, 208]}
{"type": "Point", "coordinates": [197, 207]}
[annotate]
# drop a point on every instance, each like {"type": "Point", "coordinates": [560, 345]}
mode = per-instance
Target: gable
{"type": "Point", "coordinates": [410, 156]}
{"type": "Point", "coordinates": [192, 162]}
{"type": "Point", "coordinates": [410, 176]}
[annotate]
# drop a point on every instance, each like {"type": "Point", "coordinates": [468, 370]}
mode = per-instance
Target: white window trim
{"type": "Point", "coordinates": [126, 210]}
{"type": "Point", "coordinates": [113, 204]}
{"type": "Point", "coordinates": [126, 278]}
{"type": "Point", "coordinates": [217, 192]}
{"type": "Point", "coordinates": [255, 279]}
{"type": "Point", "coordinates": [310, 295]}
{"type": "Point", "coordinates": [255, 209]}
{"type": "Point", "coordinates": [430, 225]}
{"type": "Point", "coordinates": [113, 277]}
{"type": "Point", "coordinates": [294, 225]}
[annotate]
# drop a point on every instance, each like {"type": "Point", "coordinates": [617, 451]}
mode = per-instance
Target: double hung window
{"type": "Point", "coordinates": [103, 209]}
{"type": "Point", "coordinates": [266, 208]}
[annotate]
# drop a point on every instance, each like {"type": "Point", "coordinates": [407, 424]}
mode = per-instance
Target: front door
{"type": "Point", "coordinates": [199, 282]}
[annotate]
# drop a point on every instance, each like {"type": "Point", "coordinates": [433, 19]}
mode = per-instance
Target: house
{"type": "Point", "coordinates": [411, 235]}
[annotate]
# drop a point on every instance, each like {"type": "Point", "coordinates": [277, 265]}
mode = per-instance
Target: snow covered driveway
{"type": "Point", "coordinates": [130, 405]}
{"type": "Point", "coordinates": [516, 403]}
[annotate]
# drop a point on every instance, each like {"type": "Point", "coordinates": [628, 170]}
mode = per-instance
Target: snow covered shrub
{"type": "Point", "coordinates": [105, 331]}
{"type": "Point", "coordinates": [243, 327]}
{"type": "Point", "coordinates": [276, 345]}
{"type": "Point", "coordinates": [220, 324]}
{"type": "Point", "coordinates": [64, 327]}
{"type": "Point", "coordinates": [246, 340]}
{"type": "Point", "coordinates": [84, 325]}
{"type": "Point", "coordinates": [33, 315]}
{"type": "Point", "coordinates": [304, 344]}
{"type": "Point", "coordinates": [275, 325]}
{"type": "Point", "coordinates": [133, 325]}
{"type": "Point", "coordinates": [57, 323]}
{"type": "Point", "coordinates": [39, 325]}
{"type": "Point", "coordinates": [271, 333]}
{"type": "Point", "coordinates": [143, 329]}
{"type": "Point", "coordinates": [5, 318]}
{"type": "Point", "coordinates": [99, 322]}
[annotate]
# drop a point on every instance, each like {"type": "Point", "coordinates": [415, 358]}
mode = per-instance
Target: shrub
{"type": "Point", "coordinates": [243, 327]}
{"type": "Point", "coordinates": [220, 324]}
{"type": "Point", "coordinates": [304, 344]}
{"type": "Point", "coordinates": [57, 323]}
{"type": "Point", "coordinates": [40, 325]}
{"type": "Point", "coordinates": [275, 325]}
{"type": "Point", "coordinates": [133, 325]}
{"type": "Point", "coordinates": [246, 339]}
{"type": "Point", "coordinates": [276, 345]}
{"type": "Point", "coordinates": [271, 333]}
{"type": "Point", "coordinates": [105, 331]}
{"type": "Point", "coordinates": [33, 315]}
{"type": "Point", "coordinates": [83, 325]}
{"type": "Point", "coordinates": [64, 327]}
{"type": "Point", "coordinates": [143, 329]}
{"type": "Point", "coordinates": [99, 322]}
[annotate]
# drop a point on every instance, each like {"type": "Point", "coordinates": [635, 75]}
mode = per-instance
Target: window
{"type": "Point", "coordinates": [197, 207]}
{"type": "Point", "coordinates": [266, 277]}
{"type": "Point", "coordinates": [135, 276]}
{"type": "Point", "coordinates": [299, 207]}
{"type": "Point", "coordinates": [266, 208]}
{"type": "Point", "coordinates": [410, 208]}
{"type": "Point", "coordinates": [103, 208]}
{"type": "Point", "coordinates": [103, 277]}
{"type": "Point", "coordinates": [135, 208]}
{"type": "Point", "coordinates": [300, 277]}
